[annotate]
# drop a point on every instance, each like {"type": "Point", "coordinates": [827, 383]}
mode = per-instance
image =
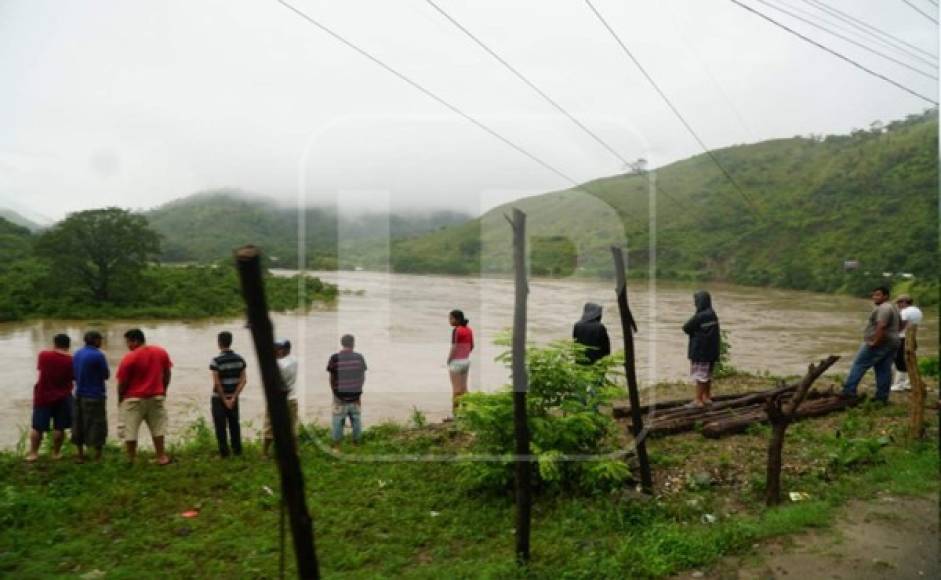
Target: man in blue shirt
{"type": "Point", "coordinates": [90, 426]}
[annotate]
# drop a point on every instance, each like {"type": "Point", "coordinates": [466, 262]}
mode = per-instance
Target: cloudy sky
{"type": "Point", "coordinates": [134, 103]}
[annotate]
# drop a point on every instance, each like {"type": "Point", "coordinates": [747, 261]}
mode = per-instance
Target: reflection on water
{"type": "Point", "coordinates": [401, 326]}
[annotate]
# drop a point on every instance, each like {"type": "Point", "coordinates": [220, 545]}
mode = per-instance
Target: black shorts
{"type": "Point", "coordinates": [59, 414]}
{"type": "Point", "coordinates": [900, 365]}
{"type": "Point", "coordinates": [91, 422]}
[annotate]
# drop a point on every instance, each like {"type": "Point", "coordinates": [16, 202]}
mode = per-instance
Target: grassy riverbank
{"type": "Point", "coordinates": [408, 518]}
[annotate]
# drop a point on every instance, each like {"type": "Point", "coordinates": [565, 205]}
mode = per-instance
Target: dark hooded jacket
{"type": "Point", "coordinates": [590, 332]}
{"type": "Point", "coordinates": [703, 330]}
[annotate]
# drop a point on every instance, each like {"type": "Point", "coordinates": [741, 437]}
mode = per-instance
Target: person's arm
{"type": "Point", "coordinates": [243, 380]}
{"type": "Point", "coordinates": [879, 335]}
{"type": "Point", "coordinates": [122, 388]}
{"type": "Point", "coordinates": [166, 380]}
{"type": "Point", "coordinates": [216, 383]}
{"type": "Point", "coordinates": [691, 325]}
{"type": "Point", "coordinates": [332, 369]}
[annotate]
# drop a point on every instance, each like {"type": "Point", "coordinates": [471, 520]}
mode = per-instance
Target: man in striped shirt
{"type": "Point", "coordinates": [347, 370]}
{"type": "Point", "coordinates": [228, 380]}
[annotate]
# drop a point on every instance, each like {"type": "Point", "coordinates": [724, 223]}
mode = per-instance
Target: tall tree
{"type": "Point", "coordinates": [95, 249]}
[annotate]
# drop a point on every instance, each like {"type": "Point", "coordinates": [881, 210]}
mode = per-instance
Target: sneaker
{"type": "Point", "coordinates": [899, 388]}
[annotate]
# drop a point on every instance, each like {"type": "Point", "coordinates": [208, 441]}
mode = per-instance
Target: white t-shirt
{"type": "Point", "coordinates": [288, 366]}
{"type": "Point", "coordinates": [910, 315]}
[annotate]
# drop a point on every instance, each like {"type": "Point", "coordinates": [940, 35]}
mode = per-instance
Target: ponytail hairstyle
{"type": "Point", "coordinates": [459, 316]}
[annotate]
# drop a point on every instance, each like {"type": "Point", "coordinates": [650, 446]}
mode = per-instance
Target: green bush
{"type": "Point", "coordinates": [724, 367]}
{"type": "Point", "coordinates": [570, 436]}
{"type": "Point", "coordinates": [928, 366]}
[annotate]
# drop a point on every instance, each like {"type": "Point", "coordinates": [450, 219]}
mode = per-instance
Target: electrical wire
{"type": "Point", "coordinates": [539, 91]}
{"type": "Point", "coordinates": [835, 53]}
{"type": "Point", "coordinates": [847, 39]}
{"type": "Point", "coordinates": [920, 11]}
{"type": "Point", "coordinates": [676, 112]}
{"type": "Point", "coordinates": [865, 26]}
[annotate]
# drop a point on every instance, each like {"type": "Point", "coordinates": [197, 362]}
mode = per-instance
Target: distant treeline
{"type": "Point", "coordinates": [100, 264]}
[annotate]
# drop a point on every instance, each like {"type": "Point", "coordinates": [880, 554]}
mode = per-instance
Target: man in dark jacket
{"type": "Point", "coordinates": [704, 338]}
{"type": "Point", "coordinates": [591, 333]}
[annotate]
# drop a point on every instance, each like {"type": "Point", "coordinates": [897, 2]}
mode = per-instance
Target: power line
{"type": "Point", "coordinates": [862, 32]}
{"type": "Point", "coordinates": [835, 53]}
{"type": "Point", "coordinates": [429, 93]}
{"type": "Point", "coordinates": [673, 108]}
{"type": "Point", "coordinates": [847, 39]}
{"type": "Point", "coordinates": [862, 25]}
{"type": "Point", "coordinates": [537, 90]}
{"type": "Point", "coordinates": [920, 11]}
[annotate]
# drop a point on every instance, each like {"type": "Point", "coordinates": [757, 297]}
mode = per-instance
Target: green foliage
{"type": "Point", "coordinates": [97, 255]}
{"type": "Point", "coordinates": [928, 366]}
{"type": "Point", "coordinates": [570, 436]}
{"type": "Point", "coordinates": [869, 196]}
{"type": "Point", "coordinates": [724, 366]}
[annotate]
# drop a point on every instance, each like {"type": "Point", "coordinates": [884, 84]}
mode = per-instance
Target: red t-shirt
{"type": "Point", "coordinates": [462, 337]}
{"type": "Point", "coordinates": [141, 371]}
{"type": "Point", "coordinates": [55, 378]}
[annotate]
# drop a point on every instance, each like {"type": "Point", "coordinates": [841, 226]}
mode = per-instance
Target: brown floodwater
{"type": "Point", "coordinates": [401, 326]}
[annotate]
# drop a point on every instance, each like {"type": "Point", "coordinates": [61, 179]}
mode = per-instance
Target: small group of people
{"type": "Point", "coordinates": [884, 345]}
{"type": "Point", "coordinates": [71, 394]}
{"type": "Point", "coordinates": [703, 350]}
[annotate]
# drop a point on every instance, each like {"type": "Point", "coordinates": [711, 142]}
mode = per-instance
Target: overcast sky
{"type": "Point", "coordinates": [134, 103]}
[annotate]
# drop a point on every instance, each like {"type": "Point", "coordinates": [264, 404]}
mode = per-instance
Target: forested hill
{"type": "Point", "coordinates": [807, 205]}
{"type": "Point", "coordinates": [206, 227]}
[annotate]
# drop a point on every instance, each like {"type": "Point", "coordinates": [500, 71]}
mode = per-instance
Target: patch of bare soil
{"type": "Point", "coordinates": [885, 537]}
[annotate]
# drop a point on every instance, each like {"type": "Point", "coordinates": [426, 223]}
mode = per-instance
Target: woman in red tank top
{"type": "Point", "coordinates": [462, 343]}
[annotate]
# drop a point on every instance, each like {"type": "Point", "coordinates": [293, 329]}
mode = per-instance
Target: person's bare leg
{"type": "Point", "coordinates": [455, 389]}
{"type": "Point", "coordinates": [159, 452]}
{"type": "Point", "coordinates": [35, 439]}
{"type": "Point", "coordinates": [707, 392]}
{"type": "Point", "coordinates": [58, 436]}
{"type": "Point", "coordinates": [79, 453]}
{"type": "Point", "coordinates": [131, 447]}
{"type": "Point", "coordinates": [699, 394]}
{"type": "Point", "coordinates": [266, 447]}
{"type": "Point", "coordinates": [462, 380]}
{"type": "Point", "coordinates": [98, 451]}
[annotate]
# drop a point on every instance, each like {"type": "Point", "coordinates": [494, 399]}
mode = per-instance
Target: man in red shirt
{"type": "Point", "coordinates": [143, 379]}
{"type": "Point", "coordinates": [52, 397]}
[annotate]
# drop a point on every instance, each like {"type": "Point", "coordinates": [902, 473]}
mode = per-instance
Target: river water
{"type": "Point", "coordinates": [401, 325]}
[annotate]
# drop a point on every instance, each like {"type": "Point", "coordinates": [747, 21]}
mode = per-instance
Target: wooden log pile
{"type": "Point", "coordinates": [732, 414]}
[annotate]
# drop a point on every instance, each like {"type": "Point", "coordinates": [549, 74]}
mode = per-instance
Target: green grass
{"type": "Point", "coordinates": [377, 519]}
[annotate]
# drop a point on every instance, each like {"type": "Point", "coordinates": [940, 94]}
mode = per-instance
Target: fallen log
{"type": "Point", "coordinates": [817, 408]}
{"type": "Point", "coordinates": [623, 411]}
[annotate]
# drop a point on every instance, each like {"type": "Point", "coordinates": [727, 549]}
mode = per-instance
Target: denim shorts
{"type": "Point", "coordinates": [58, 413]}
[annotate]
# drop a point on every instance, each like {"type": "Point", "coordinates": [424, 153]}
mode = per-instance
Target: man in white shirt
{"type": "Point", "coordinates": [288, 365]}
{"type": "Point", "coordinates": [909, 315]}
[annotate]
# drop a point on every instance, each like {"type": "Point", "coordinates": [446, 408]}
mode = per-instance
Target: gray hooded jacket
{"type": "Point", "coordinates": [590, 332]}
{"type": "Point", "coordinates": [703, 330]}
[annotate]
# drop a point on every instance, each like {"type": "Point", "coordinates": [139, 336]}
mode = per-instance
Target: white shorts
{"type": "Point", "coordinates": [459, 366]}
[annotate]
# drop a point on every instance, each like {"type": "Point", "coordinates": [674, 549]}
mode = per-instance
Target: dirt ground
{"type": "Point", "coordinates": [883, 537]}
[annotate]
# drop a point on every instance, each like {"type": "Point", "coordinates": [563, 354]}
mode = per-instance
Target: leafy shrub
{"type": "Point", "coordinates": [568, 432]}
{"type": "Point", "coordinates": [928, 366]}
{"type": "Point", "coordinates": [724, 367]}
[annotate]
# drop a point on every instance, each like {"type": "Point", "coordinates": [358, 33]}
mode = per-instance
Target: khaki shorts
{"type": "Point", "coordinates": [133, 412]}
{"type": "Point", "coordinates": [266, 431]}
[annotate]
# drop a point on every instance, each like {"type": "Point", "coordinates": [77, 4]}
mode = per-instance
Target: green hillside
{"type": "Point", "coordinates": [870, 196]}
{"type": "Point", "coordinates": [206, 227]}
{"type": "Point", "coordinates": [18, 219]}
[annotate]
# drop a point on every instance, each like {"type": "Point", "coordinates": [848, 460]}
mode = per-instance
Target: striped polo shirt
{"type": "Point", "coordinates": [229, 366]}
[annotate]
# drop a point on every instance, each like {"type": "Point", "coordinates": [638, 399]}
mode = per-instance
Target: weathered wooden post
{"type": "Point", "coordinates": [781, 416]}
{"type": "Point", "coordinates": [919, 391]}
{"type": "Point", "coordinates": [248, 260]}
{"type": "Point", "coordinates": [520, 387]}
{"type": "Point", "coordinates": [628, 328]}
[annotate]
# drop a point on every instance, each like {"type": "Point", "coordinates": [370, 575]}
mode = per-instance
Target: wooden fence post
{"type": "Point", "coordinates": [628, 328]}
{"type": "Point", "coordinates": [520, 387]}
{"type": "Point", "coordinates": [248, 260]}
{"type": "Point", "coordinates": [919, 391]}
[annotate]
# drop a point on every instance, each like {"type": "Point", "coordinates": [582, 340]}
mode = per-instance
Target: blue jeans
{"type": "Point", "coordinates": [341, 411]}
{"type": "Point", "coordinates": [880, 360]}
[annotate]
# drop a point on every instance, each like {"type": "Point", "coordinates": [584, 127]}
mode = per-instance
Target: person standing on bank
{"type": "Point", "coordinates": [347, 370]}
{"type": "Point", "coordinates": [880, 342]}
{"type": "Point", "coordinates": [52, 397]}
{"type": "Point", "coordinates": [228, 380]}
{"type": "Point", "coordinates": [90, 425]}
{"type": "Point", "coordinates": [287, 364]}
{"type": "Point", "coordinates": [143, 380]}
{"type": "Point", "coordinates": [909, 315]}
{"type": "Point", "coordinates": [462, 344]}
{"type": "Point", "coordinates": [704, 346]}
{"type": "Point", "coordinates": [591, 333]}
